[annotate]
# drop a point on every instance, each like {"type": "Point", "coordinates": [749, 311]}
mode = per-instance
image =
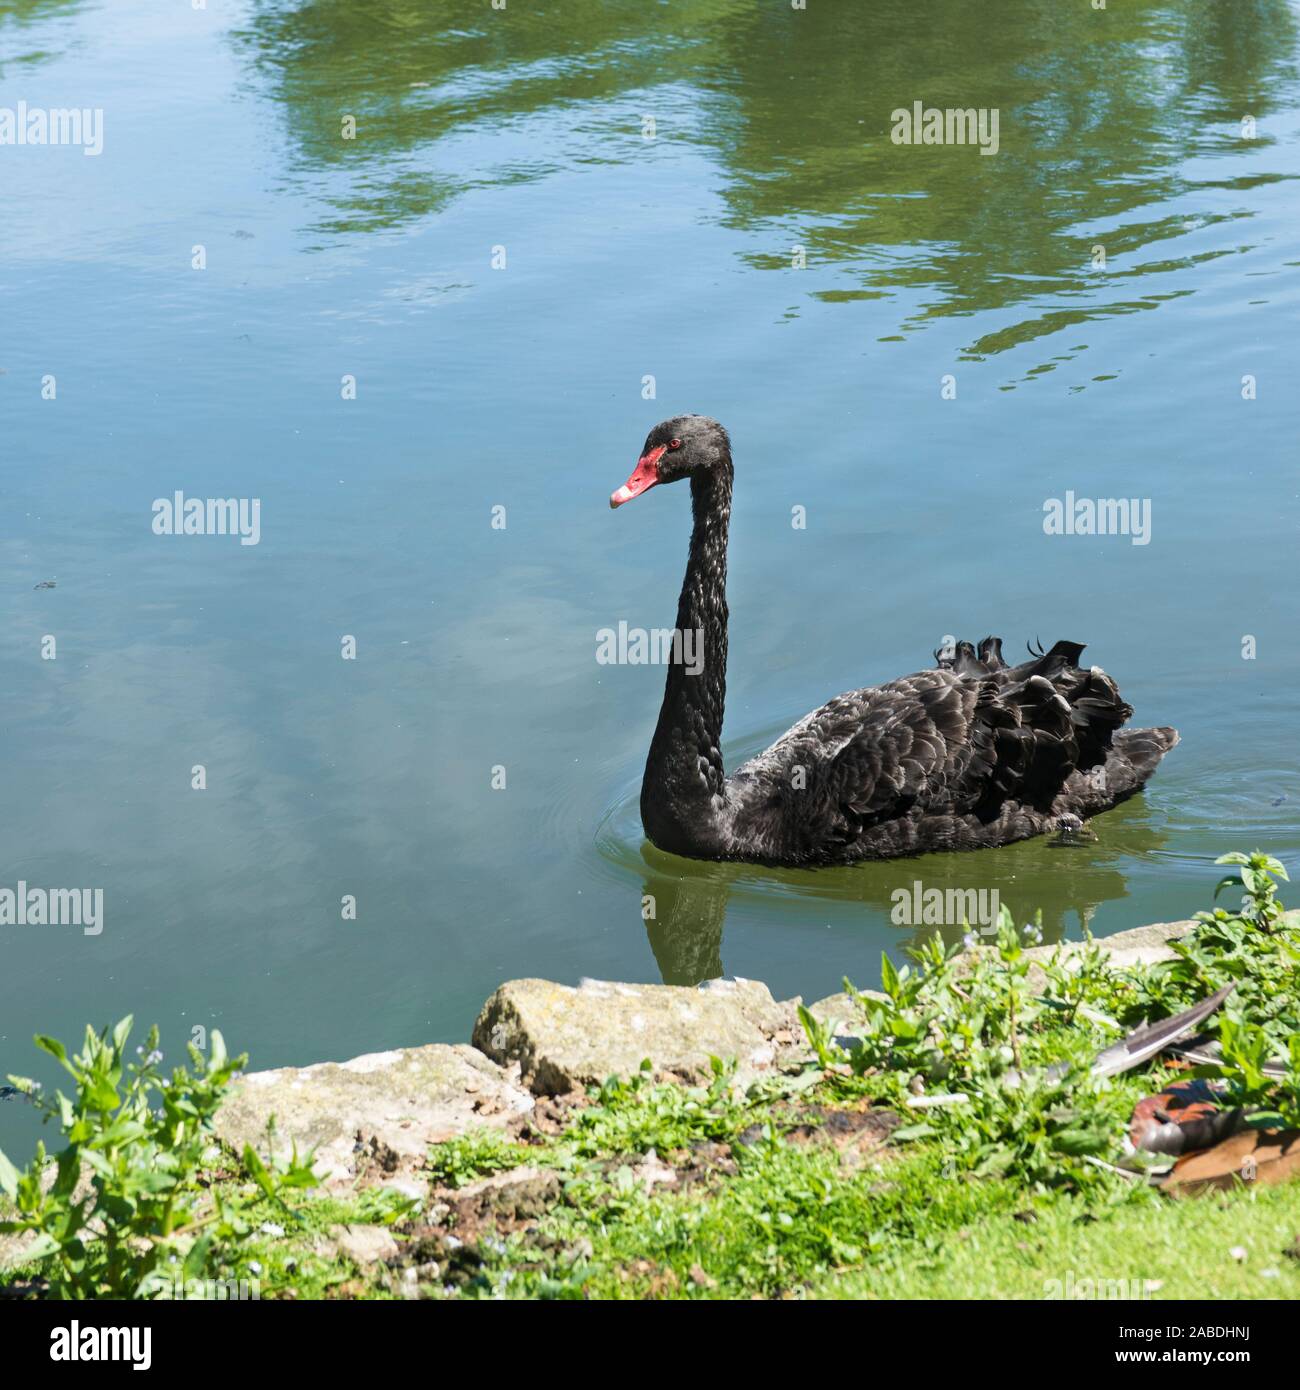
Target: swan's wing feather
{"type": "Point", "coordinates": [974, 738]}
{"type": "Point", "coordinates": [912, 744]}
{"type": "Point", "coordinates": [848, 763]}
{"type": "Point", "coordinates": [970, 741]}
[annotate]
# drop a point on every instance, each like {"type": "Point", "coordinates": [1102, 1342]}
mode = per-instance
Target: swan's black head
{"type": "Point", "coordinates": [675, 449]}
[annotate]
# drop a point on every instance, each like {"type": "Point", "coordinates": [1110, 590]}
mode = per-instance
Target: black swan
{"type": "Point", "coordinates": [969, 754]}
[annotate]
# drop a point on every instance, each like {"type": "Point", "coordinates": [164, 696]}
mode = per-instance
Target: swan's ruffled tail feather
{"type": "Point", "coordinates": [1127, 767]}
{"type": "Point", "coordinates": [1063, 656]}
{"type": "Point", "coordinates": [1097, 710]}
{"type": "Point", "coordinates": [968, 660]}
{"type": "Point", "coordinates": [1069, 652]}
{"type": "Point", "coordinates": [1144, 748]}
{"type": "Point", "coordinates": [1043, 727]}
{"type": "Point", "coordinates": [987, 659]}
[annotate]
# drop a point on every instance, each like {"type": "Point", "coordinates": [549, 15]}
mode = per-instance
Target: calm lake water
{"type": "Point", "coordinates": [522, 387]}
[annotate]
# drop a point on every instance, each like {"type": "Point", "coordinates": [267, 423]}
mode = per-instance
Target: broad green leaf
{"type": "Point", "coordinates": [42, 1246]}
{"type": "Point", "coordinates": [56, 1049]}
{"type": "Point", "coordinates": [102, 1094]}
{"type": "Point", "coordinates": [257, 1171]}
{"type": "Point", "coordinates": [906, 1133]}
{"type": "Point", "coordinates": [888, 976]}
{"type": "Point", "coordinates": [197, 1258]}
{"type": "Point", "coordinates": [1076, 1142]}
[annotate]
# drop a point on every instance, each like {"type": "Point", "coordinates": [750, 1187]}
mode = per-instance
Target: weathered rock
{"type": "Point", "coordinates": [365, 1245]}
{"type": "Point", "coordinates": [1138, 946]}
{"type": "Point", "coordinates": [494, 1205]}
{"type": "Point", "coordinates": [516, 1195]}
{"type": "Point", "coordinates": [565, 1038]}
{"type": "Point", "coordinates": [13, 1249]}
{"type": "Point", "coordinates": [834, 1007]}
{"type": "Point", "coordinates": [381, 1110]}
{"type": "Point", "coordinates": [653, 1172]}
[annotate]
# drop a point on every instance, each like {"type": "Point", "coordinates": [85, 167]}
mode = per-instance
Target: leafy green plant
{"type": "Point", "coordinates": [478, 1154]}
{"type": "Point", "coordinates": [1246, 1050]}
{"type": "Point", "coordinates": [1255, 873]}
{"type": "Point", "coordinates": [821, 1036]}
{"type": "Point", "coordinates": [1256, 948]}
{"type": "Point", "coordinates": [1014, 1061]}
{"type": "Point", "coordinates": [636, 1115]}
{"type": "Point", "coordinates": [953, 1019]}
{"type": "Point", "coordinates": [1085, 984]}
{"type": "Point", "coordinates": [626, 1116]}
{"type": "Point", "coordinates": [964, 1039]}
{"type": "Point", "coordinates": [128, 1209]}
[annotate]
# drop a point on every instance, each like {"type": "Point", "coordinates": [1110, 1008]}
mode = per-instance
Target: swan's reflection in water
{"type": "Point", "coordinates": [684, 902]}
{"type": "Point", "coordinates": [684, 918]}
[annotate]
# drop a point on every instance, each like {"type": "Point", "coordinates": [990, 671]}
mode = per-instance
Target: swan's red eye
{"type": "Point", "coordinates": [674, 443]}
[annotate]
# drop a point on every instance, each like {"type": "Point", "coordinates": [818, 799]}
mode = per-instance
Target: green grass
{"type": "Point", "coordinates": [788, 1218]}
{"type": "Point", "coordinates": [474, 1155]}
{"type": "Point", "coordinates": [1161, 1248]}
{"type": "Point", "coordinates": [302, 1262]}
{"type": "Point", "coordinates": [794, 1222]}
{"type": "Point", "coordinates": [781, 1216]}
{"type": "Point", "coordinates": [791, 1216]}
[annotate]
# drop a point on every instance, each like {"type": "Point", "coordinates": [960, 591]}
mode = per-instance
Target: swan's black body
{"type": "Point", "coordinates": [970, 754]}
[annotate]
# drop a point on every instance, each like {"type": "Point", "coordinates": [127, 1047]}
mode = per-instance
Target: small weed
{"type": "Point", "coordinates": [129, 1212]}
{"type": "Point", "coordinates": [477, 1154]}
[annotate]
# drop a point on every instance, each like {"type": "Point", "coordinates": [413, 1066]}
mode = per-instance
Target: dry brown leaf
{"type": "Point", "coordinates": [1255, 1155]}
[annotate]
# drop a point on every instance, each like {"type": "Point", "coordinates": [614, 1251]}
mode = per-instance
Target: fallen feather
{"type": "Point", "coordinates": [930, 1102]}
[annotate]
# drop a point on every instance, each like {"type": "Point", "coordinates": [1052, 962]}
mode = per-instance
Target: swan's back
{"type": "Point", "coordinates": [970, 754]}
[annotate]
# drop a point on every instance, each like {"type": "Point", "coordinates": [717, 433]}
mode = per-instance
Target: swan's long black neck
{"type": "Point", "coordinates": [682, 793]}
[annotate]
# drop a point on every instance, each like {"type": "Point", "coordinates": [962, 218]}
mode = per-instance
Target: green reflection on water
{"type": "Point", "coordinates": [1100, 112]}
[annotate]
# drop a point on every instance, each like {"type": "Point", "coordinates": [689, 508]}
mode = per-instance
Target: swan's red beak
{"type": "Point", "coordinates": [645, 475]}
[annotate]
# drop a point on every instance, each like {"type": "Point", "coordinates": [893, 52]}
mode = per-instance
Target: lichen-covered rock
{"type": "Point", "coordinates": [566, 1038]}
{"type": "Point", "coordinates": [1138, 946]}
{"type": "Point", "coordinates": [377, 1112]}
{"type": "Point", "coordinates": [522, 1194]}
{"type": "Point", "coordinates": [365, 1245]}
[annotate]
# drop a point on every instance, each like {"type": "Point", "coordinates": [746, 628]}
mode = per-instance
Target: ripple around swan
{"type": "Point", "coordinates": [1222, 799]}
{"type": "Point", "coordinates": [1216, 808]}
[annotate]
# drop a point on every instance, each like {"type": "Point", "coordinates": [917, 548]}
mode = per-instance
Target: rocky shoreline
{"type": "Point", "coordinates": [535, 1045]}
